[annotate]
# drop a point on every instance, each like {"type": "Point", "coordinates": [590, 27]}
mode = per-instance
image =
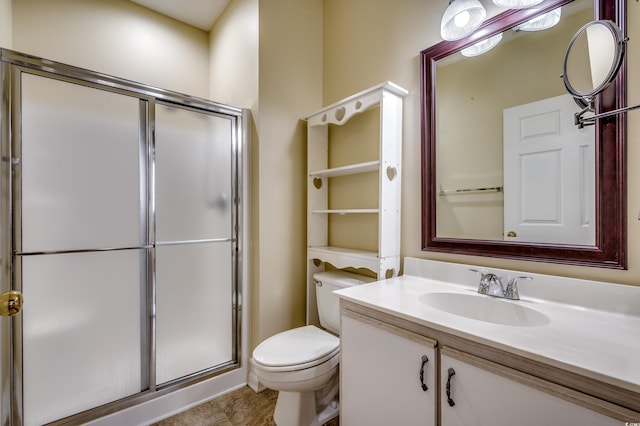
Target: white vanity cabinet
{"type": "Point", "coordinates": [475, 391]}
{"type": "Point", "coordinates": [381, 375]}
{"type": "Point", "coordinates": [387, 374]}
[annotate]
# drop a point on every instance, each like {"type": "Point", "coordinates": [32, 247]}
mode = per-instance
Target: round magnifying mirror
{"type": "Point", "coordinates": [593, 59]}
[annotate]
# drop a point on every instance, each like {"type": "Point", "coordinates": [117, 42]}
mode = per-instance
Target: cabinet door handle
{"type": "Point", "coordinates": [451, 372]}
{"type": "Point", "coordinates": [424, 362]}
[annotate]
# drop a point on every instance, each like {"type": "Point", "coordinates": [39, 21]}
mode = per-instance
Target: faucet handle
{"type": "Point", "coordinates": [483, 287]}
{"type": "Point", "coordinates": [483, 274]}
{"type": "Point", "coordinates": [487, 281]}
{"type": "Point", "coordinates": [511, 292]}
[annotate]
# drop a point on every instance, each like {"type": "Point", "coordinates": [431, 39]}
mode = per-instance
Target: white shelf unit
{"type": "Point", "coordinates": [385, 262]}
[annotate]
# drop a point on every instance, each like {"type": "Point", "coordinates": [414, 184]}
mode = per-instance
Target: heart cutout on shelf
{"type": "Point", "coordinates": [391, 172]}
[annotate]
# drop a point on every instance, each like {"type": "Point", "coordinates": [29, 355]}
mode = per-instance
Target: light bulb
{"type": "Point", "coordinates": [516, 4]}
{"type": "Point", "coordinates": [482, 46]}
{"type": "Point", "coordinates": [462, 19]}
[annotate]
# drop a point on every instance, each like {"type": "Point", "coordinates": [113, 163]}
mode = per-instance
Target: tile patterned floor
{"type": "Point", "coordinates": [242, 407]}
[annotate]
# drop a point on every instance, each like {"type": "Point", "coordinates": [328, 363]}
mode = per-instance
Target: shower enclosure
{"type": "Point", "coordinates": [120, 208]}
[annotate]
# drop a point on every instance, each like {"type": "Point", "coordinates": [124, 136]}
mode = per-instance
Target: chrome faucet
{"type": "Point", "coordinates": [491, 284]}
{"type": "Point", "coordinates": [511, 292]}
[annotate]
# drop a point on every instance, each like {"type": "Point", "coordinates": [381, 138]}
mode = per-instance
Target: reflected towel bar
{"type": "Point", "coordinates": [470, 190]}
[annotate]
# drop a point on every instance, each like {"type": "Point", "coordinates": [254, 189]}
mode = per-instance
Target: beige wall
{"type": "Point", "coordinates": [115, 37]}
{"type": "Point", "coordinates": [370, 41]}
{"type": "Point", "coordinates": [268, 57]}
{"type": "Point", "coordinates": [233, 56]}
{"type": "Point", "coordinates": [6, 39]}
{"type": "Point", "coordinates": [290, 65]}
{"type": "Point", "coordinates": [234, 76]}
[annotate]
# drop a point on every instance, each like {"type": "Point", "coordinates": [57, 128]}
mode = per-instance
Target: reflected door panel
{"type": "Point", "coordinates": [549, 178]}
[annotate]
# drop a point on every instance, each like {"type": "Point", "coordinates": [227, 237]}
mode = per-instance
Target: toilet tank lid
{"type": "Point", "coordinates": [342, 278]}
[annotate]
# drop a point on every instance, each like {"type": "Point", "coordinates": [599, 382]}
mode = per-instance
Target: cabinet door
{"type": "Point", "coordinates": [382, 372]}
{"type": "Point", "coordinates": [484, 393]}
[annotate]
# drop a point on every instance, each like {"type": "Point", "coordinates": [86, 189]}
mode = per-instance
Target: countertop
{"type": "Point", "coordinates": [602, 344]}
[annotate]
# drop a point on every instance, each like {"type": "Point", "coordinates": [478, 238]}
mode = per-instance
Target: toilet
{"type": "Point", "coordinates": [302, 363]}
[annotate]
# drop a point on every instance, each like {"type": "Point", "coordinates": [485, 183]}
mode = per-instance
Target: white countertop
{"type": "Point", "coordinates": [599, 338]}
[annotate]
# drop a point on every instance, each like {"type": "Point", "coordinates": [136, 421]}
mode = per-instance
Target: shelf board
{"type": "Point", "coordinates": [347, 211]}
{"type": "Point", "coordinates": [386, 86]}
{"type": "Point", "coordinates": [345, 258]}
{"type": "Point", "coordinates": [352, 169]}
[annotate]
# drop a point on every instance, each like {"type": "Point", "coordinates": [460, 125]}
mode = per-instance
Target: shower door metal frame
{"type": "Point", "coordinates": [12, 65]}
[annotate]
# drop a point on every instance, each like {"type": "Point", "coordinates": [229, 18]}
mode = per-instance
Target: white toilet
{"type": "Point", "coordinates": [302, 364]}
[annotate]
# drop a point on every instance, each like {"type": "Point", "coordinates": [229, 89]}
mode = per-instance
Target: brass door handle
{"type": "Point", "coordinates": [10, 303]}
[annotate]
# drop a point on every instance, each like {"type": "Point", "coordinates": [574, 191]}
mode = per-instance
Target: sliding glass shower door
{"type": "Point", "coordinates": [122, 207]}
{"type": "Point", "coordinates": [79, 247]}
{"type": "Point", "coordinates": [194, 234]}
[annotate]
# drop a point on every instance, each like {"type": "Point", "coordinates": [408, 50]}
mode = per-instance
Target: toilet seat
{"type": "Point", "coordinates": [296, 349]}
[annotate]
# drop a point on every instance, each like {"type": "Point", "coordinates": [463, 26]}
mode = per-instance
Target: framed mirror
{"type": "Point", "coordinates": [491, 186]}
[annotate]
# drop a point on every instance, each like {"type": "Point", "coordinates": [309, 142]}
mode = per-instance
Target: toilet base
{"type": "Point", "coordinates": [299, 408]}
{"type": "Point", "coordinates": [331, 411]}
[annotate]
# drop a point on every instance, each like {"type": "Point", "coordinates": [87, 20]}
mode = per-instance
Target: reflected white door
{"type": "Point", "coordinates": [549, 180]}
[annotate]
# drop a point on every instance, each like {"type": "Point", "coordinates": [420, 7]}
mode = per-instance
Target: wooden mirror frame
{"type": "Point", "coordinates": [609, 250]}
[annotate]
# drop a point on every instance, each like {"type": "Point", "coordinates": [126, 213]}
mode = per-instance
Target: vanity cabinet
{"type": "Point", "coordinates": [475, 391]}
{"type": "Point", "coordinates": [387, 374]}
{"type": "Point", "coordinates": [380, 380]}
{"type": "Point", "coordinates": [368, 172]}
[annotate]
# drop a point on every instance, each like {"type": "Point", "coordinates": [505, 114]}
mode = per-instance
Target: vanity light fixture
{"type": "Point", "coordinates": [482, 46]}
{"type": "Point", "coordinates": [516, 4]}
{"type": "Point", "coordinates": [461, 18]}
{"type": "Point", "coordinates": [541, 22]}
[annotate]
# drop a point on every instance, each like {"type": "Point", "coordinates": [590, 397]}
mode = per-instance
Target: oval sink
{"type": "Point", "coordinates": [485, 308]}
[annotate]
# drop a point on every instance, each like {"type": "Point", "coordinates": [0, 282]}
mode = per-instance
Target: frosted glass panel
{"type": "Point", "coordinates": [80, 167]}
{"type": "Point", "coordinates": [194, 308]}
{"type": "Point", "coordinates": [81, 331]}
{"type": "Point", "coordinates": [193, 175]}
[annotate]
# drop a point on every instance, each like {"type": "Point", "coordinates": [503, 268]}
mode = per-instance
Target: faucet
{"type": "Point", "coordinates": [491, 284]}
{"type": "Point", "coordinates": [511, 292]}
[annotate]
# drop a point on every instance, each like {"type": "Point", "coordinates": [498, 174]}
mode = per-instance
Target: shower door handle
{"type": "Point", "coordinates": [10, 303]}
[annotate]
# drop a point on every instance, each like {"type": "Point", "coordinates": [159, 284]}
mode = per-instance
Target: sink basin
{"type": "Point", "coordinates": [485, 308]}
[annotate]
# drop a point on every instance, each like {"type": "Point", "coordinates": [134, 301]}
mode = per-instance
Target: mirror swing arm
{"type": "Point", "coordinates": [606, 33]}
{"type": "Point", "coordinates": [581, 121]}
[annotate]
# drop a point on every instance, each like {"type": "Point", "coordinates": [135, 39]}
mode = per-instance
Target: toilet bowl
{"type": "Point", "coordinates": [302, 363]}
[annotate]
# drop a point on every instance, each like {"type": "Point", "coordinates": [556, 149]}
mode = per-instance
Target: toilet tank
{"type": "Point", "coordinates": [328, 303]}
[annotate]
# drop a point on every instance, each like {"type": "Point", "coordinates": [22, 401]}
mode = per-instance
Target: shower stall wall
{"type": "Point", "coordinates": [121, 226]}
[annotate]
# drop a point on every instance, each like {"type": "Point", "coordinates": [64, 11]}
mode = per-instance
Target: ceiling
{"type": "Point", "coordinates": [198, 13]}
